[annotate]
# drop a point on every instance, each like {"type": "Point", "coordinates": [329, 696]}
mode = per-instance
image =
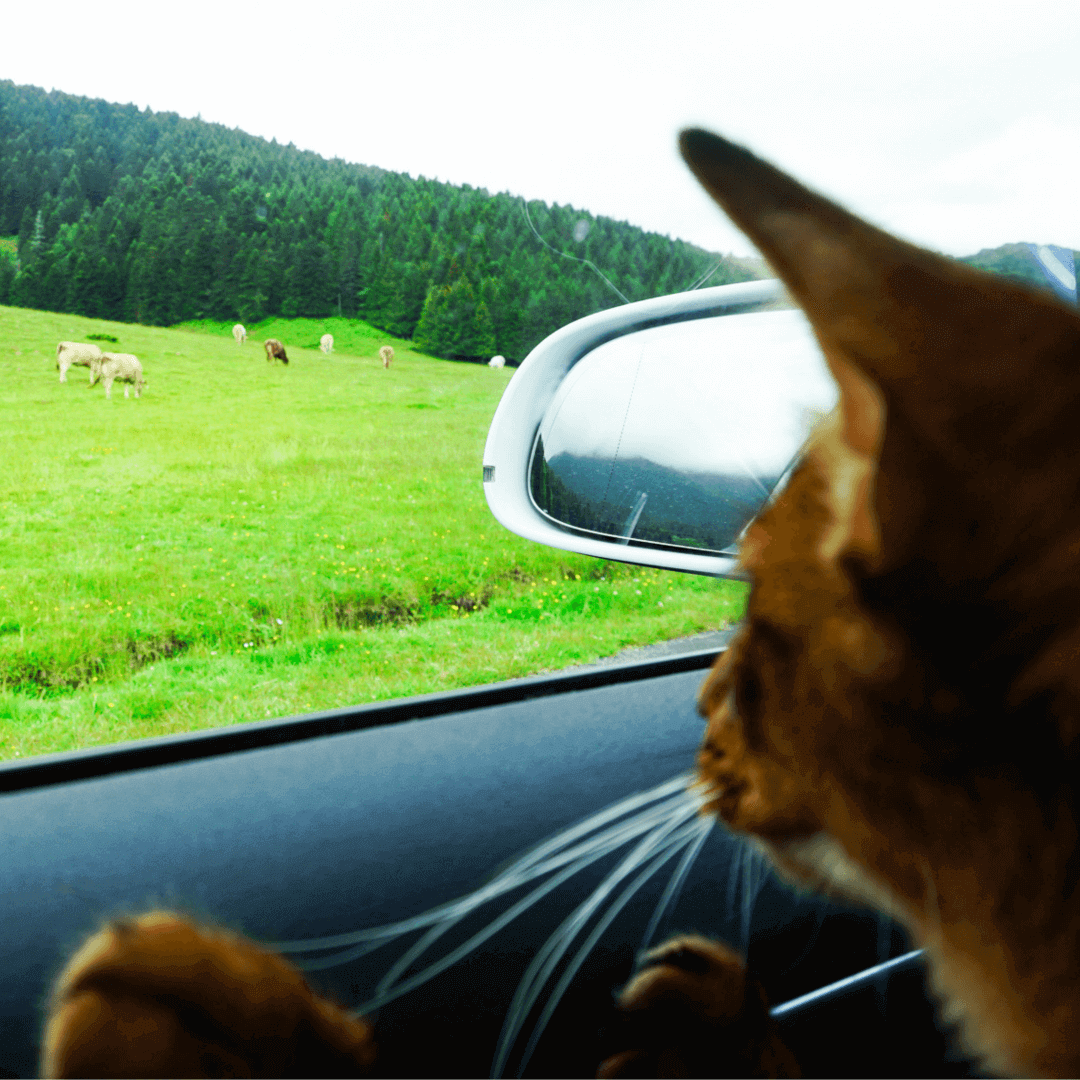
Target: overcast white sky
{"type": "Point", "coordinates": [956, 125]}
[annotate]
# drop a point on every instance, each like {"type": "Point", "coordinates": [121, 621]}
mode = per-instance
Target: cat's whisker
{"type": "Point", "coordinates": [387, 992]}
{"type": "Point", "coordinates": [552, 951]}
{"type": "Point", "coordinates": [749, 871]}
{"type": "Point", "coordinates": [673, 888]}
{"type": "Point", "coordinates": [754, 871]}
{"type": "Point", "coordinates": [627, 830]}
{"type": "Point", "coordinates": [677, 786]}
{"type": "Point", "coordinates": [655, 836]}
{"type": "Point", "coordinates": [688, 840]}
{"type": "Point", "coordinates": [577, 860]}
{"type": "Point", "coordinates": [505, 880]}
{"type": "Point", "coordinates": [345, 957]}
{"type": "Point", "coordinates": [562, 855]}
{"type": "Point", "coordinates": [446, 917]}
{"type": "Point", "coordinates": [657, 819]}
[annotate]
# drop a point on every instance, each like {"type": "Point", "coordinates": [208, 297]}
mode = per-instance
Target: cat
{"type": "Point", "coordinates": [896, 721]}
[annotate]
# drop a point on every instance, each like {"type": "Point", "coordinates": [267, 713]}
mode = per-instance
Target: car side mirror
{"type": "Point", "coordinates": [654, 433]}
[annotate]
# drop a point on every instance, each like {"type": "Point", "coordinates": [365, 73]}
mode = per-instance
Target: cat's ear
{"type": "Point", "coordinates": [941, 354]}
{"type": "Point", "coordinates": [922, 327]}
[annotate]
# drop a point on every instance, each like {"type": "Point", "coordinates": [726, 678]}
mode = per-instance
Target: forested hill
{"type": "Point", "coordinates": [151, 218]}
{"type": "Point", "coordinates": [1013, 260]}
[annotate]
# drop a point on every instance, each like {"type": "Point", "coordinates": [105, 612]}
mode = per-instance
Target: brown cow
{"type": "Point", "coordinates": [275, 350]}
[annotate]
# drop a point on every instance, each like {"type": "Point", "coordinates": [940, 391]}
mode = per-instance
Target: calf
{"type": "Point", "coordinates": [326, 343]}
{"type": "Point", "coordinates": [75, 354]}
{"type": "Point", "coordinates": [386, 354]}
{"type": "Point", "coordinates": [275, 350]}
{"type": "Point", "coordinates": [239, 334]}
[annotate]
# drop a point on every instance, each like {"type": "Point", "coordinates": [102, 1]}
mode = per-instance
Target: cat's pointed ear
{"type": "Point", "coordinates": [925, 329]}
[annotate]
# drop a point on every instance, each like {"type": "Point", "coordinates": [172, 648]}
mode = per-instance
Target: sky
{"type": "Point", "coordinates": [953, 124]}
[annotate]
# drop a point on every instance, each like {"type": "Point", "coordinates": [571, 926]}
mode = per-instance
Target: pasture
{"type": "Point", "coordinates": [250, 540]}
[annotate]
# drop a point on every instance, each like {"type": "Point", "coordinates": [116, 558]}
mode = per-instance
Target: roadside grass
{"type": "Point", "coordinates": [249, 540]}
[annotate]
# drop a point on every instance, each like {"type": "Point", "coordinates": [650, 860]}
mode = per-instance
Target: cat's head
{"type": "Point", "coordinates": [902, 706]}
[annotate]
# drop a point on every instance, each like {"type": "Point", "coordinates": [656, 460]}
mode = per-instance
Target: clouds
{"type": "Point", "coordinates": [1022, 177]}
{"type": "Point", "coordinates": [949, 123]}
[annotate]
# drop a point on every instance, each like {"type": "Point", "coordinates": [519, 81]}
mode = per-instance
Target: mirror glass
{"type": "Point", "coordinates": [676, 435]}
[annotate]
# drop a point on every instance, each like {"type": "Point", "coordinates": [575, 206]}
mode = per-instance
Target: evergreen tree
{"type": "Point", "coordinates": [7, 276]}
{"type": "Point", "coordinates": [137, 215]}
{"type": "Point", "coordinates": [455, 323]}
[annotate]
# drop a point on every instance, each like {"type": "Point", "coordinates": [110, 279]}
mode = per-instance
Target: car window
{"type": "Point", "coordinates": [240, 534]}
{"type": "Point", "coordinates": [250, 539]}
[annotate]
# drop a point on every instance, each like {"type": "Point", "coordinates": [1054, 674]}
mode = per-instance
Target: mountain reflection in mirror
{"type": "Point", "coordinates": [676, 435]}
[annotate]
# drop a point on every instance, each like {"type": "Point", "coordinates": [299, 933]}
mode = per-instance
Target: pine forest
{"type": "Point", "coordinates": [116, 213]}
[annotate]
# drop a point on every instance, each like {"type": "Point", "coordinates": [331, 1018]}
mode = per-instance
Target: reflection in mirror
{"type": "Point", "coordinates": [676, 435]}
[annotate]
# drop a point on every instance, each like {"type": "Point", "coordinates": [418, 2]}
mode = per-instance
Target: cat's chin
{"type": "Point", "coordinates": [820, 864]}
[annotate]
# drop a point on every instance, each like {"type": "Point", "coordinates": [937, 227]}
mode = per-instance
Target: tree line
{"type": "Point", "coordinates": [148, 217]}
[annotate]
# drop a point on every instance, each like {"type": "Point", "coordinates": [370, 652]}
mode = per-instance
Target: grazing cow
{"type": "Point", "coordinates": [497, 361]}
{"type": "Point", "coordinates": [110, 367]}
{"type": "Point", "coordinates": [75, 353]}
{"type": "Point", "coordinates": [326, 343]}
{"type": "Point", "coordinates": [275, 350]}
{"type": "Point", "coordinates": [386, 354]}
{"type": "Point", "coordinates": [239, 334]}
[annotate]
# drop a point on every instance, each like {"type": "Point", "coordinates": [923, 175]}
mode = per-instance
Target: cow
{"type": "Point", "coordinates": [275, 350]}
{"type": "Point", "coordinates": [239, 334]}
{"type": "Point", "coordinates": [110, 367]}
{"type": "Point", "coordinates": [386, 354]}
{"type": "Point", "coordinates": [326, 343]}
{"type": "Point", "coordinates": [75, 353]}
{"type": "Point", "coordinates": [497, 361]}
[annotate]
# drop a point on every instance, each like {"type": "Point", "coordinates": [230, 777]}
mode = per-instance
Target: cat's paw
{"type": "Point", "coordinates": [162, 996]}
{"type": "Point", "coordinates": [695, 1011]}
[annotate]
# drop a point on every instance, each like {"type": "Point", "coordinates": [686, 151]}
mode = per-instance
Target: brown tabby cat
{"type": "Point", "coordinates": [898, 719]}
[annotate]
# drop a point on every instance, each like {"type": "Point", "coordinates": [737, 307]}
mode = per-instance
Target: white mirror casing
{"type": "Point", "coordinates": [653, 433]}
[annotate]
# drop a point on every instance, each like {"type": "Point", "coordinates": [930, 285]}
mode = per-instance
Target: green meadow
{"type": "Point", "coordinates": [249, 540]}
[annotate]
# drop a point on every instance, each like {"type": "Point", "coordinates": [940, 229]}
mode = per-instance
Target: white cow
{"type": "Point", "coordinates": [326, 343]}
{"type": "Point", "coordinates": [239, 334]}
{"type": "Point", "coordinates": [75, 354]}
{"type": "Point", "coordinates": [123, 366]}
{"type": "Point", "coordinates": [497, 361]}
{"type": "Point", "coordinates": [386, 354]}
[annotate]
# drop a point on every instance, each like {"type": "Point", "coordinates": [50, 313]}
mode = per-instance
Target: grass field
{"type": "Point", "coordinates": [249, 541]}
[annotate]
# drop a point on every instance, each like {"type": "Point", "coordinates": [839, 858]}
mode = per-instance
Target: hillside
{"type": "Point", "coordinates": [248, 540]}
{"type": "Point", "coordinates": [147, 217]}
{"type": "Point", "coordinates": [1012, 260]}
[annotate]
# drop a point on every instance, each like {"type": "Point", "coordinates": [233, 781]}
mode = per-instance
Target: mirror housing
{"type": "Point", "coordinates": [653, 433]}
